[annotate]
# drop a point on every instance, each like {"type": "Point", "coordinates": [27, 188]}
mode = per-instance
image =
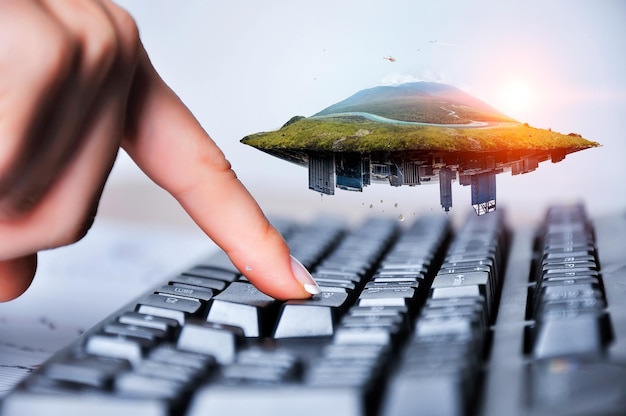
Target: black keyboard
{"type": "Point", "coordinates": [422, 318]}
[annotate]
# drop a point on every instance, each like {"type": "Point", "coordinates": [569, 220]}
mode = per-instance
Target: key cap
{"type": "Point", "coordinates": [128, 348]}
{"type": "Point", "coordinates": [482, 279]}
{"type": "Point", "coordinates": [571, 332]}
{"type": "Point", "coordinates": [403, 277]}
{"type": "Point", "coordinates": [256, 366]}
{"type": "Point", "coordinates": [290, 399]}
{"type": "Point", "coordinates": [338, 283]}
{"type": "Point", "coordinates": [220, 341]}
{"type": "Point", "coordinates": [186, 291]}
{"type": "Point", "coordinates": [92, 370]}
{"type": "Point", "coordinates": [398, 284]}
{"type": "Point", "coordinates": [170, 355]}
{"type": "Point", "coordinates": [312, 317]}
{"type": "Point", "coordinates": [575, 386]}
{"type": "Point", "coordinates": [398, 296]}
{"type": "Point", "coordinates": [563, 292]}
{"type": "Point", "coordinates": [167, 370]}
{"type": "Point", "coordinates": [338, 275]}
{"type": "Point", "coordinates": [367, 334]}
{"type": "Point", "coordinates": [243, 305]}
{"type": "Point", "coordinates": [439, 390]}
{"type": "Point", "coordinates": [151, 334]}
{"type": "Point", "coordinates": [198, 282]}
{"type": "Point", "coordinates": [187, 306]}
{"type": "Point", "coordinates": [170, 326]}
{"type": "Point", "coordinates": [209, 272]}
{"type": "Point", "coordinates": [463, 291]}
{"type": "Point", "coordinates": [143, 386]}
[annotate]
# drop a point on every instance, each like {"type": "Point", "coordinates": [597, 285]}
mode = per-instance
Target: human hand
{"type": "Point", "coordinates": [75, 86]}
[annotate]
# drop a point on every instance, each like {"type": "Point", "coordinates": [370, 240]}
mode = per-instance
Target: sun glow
{"type": "Point", "coordinates": [517, 98]}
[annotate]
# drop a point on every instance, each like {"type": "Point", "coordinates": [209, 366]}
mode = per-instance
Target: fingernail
{"type": "Point", "coordinates": [304, 277]}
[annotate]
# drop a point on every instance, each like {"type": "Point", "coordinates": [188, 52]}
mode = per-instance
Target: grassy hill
{"type": "Point", "coordinates": [357, 134]}
{"type": "Point", "coordinates": [422, 102]}
{"type": "Point", "coordinates": [427, 102]}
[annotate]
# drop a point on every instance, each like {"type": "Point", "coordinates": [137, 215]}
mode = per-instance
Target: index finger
{"type": "Point", "coordinates": [170, 146]}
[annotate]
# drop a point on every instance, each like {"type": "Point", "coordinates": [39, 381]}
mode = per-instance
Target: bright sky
{"type": "Point", "coordinates": [245, 66]}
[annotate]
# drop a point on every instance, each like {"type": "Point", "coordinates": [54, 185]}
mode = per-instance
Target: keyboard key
{"type": "Point", "coordinates": [188, 306]}
{"type": "Point", "coordinates": [151, 334]}
{"type": "Point", "coordinates": [434, 391]}
{"type": "Point", "coordinates": [97, 371]}
{"type": "Point", "coordinates": [398, 296]}
{"type": "Point", "coordinates": [169, 326]}
{"type": "Point", "coordinates": [367, 334]}
{"type": "Point", "coordinates": [170, 355]}
{"type": "Point", "coordinates": [256, 366]}
{"type": "Point", "coordinates": [592, 387]}
{"type": "Point", "coordinates": [179, 316]}
{"type": "Point", "coordinates": [186, 291]}
{"type": "Point", "coordinates": [571, 331]}
{"type": "Point", "coordinates": [244, 306]}
{"type": "Point", "coordinates": [143, 386]}
{"type": "Point", "coordinates": [287, 399]}
{"type": "Point", "coordinates": [220, 341]}
{"type": "Point", "coordinates": [167, 370]}
{"type": "Point", "coordinates": [313, 317]}
{"type": "Point", "coordinates": [208, 272]}
{"type": "Point", "coordinates": [128, 348]}
{"type": "Point", "coordinates": [198, 282]}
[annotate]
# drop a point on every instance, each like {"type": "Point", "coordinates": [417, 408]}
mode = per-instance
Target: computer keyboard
{"type": "Point", "coordinates": [413, 319]}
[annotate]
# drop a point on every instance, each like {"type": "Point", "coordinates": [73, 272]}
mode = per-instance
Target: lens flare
{"type": "Point", "coordinates": [517, 98]}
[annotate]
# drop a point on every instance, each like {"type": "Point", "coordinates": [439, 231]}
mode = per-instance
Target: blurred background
{"type": "Point", "coordinates": [244, 66]}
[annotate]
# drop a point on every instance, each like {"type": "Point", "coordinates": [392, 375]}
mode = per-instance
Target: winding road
{"type": "Point", "coordinates": [374, 117]}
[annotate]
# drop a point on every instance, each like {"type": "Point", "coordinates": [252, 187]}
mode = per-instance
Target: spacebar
{"type": "Point", "coordinates": [265, 400]}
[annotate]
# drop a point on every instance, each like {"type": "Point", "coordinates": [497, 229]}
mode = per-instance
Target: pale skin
{"type": "Point", "coordinates": [76, 85]}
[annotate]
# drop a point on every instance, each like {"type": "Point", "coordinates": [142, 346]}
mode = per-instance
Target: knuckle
{"type": "Point", "coordinates": [99, 42]}
{"type": "Point", "coordinates": [55, 52]}
{"type": "Point", "coordinates": [128, 31]}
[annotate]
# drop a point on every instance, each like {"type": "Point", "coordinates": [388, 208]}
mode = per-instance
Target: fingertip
{"type": "Point", "coordinates": [282, 283]}
{"type": "Point", "coordinates": [268, 265]}
{"type": "Point", "coordinates": [303, 276]}
{"type": "Point", "coordinates": [16, 275]}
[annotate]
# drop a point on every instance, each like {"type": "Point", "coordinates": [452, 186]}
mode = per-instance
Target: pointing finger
{"type": "Point", "coordinates": [170, 146]}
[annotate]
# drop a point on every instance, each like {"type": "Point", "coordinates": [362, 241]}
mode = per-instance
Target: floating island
{"type": "Point", "coordinates": [412, 134]}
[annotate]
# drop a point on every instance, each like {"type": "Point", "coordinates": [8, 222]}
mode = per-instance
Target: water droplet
{"type": "Point", "coordinates": [371, 205]}
{"type": "Point", "coordinates": [381, 201]}
{"type": "Point", "coordinates": [395, 205]}
{"type": "Point", "coordinates": [400, 217]}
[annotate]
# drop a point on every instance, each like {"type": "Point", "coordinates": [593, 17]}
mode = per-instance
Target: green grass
{"type": "Point", "coordinates": [356, 134]}
{"type": "Point", "coordinates": [417, 108]}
